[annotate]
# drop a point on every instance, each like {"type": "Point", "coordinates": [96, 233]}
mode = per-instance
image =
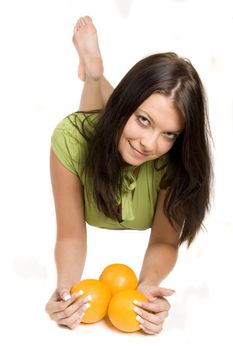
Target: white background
{"type": "Point", "coordinates": [39, 87]}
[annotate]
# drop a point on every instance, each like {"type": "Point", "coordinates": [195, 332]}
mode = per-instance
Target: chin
{"type": "Point", "coordinates": [134, 162]}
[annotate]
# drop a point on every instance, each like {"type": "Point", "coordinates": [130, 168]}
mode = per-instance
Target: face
{"type": "Point", "coordinates": [151, 130]}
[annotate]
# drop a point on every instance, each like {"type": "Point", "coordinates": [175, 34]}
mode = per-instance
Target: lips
{"type": "Point", "coordinates": [139, 152]}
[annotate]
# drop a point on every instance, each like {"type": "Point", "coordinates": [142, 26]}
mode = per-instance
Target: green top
{"type": "Point", "coordinates": [138, 194]}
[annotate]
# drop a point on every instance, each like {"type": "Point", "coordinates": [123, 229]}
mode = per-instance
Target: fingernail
{"type": "Point", "coordinates": [152, 299]}
{"type": "Point", "coordinates": [142, 327]}
{"type": "Point", "coordinates": [137, 310]}
{"type": "Point", "coordinates": [136, 302]}
{"type": "Point", "coordinates": [66, 296]}
{"type": "Point", "coordinates": [88, 298]}
{"type": "Point", "coordinates": [86, 306]}
{"type": "Point", "coordinates": [81, 316]}
{"type": "Point", "coordinates": [78, 294]}
{"type": "Point", "coordinates": [139, 319]}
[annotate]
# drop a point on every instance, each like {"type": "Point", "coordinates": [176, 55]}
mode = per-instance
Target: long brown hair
{"type": "Point", "coordinates": [188, 171]}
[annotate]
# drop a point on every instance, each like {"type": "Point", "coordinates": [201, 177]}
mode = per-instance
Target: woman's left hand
{"type": "Point", "coordinates": [152, 314]}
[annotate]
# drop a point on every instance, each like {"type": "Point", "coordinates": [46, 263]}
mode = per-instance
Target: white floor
{"type": "Point", "coordinates": [38, 88]}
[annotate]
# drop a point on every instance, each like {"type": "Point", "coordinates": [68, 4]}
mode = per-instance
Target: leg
{"type": "Point", "coordinates": [95, 94]}
{"type": "Point", "coordinates": [106, 90]}
{"type": "Point", "coordinates": [97, 89]}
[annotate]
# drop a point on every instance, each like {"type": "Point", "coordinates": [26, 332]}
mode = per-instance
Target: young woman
{"type": "Point", "coordinates": [136, 157]}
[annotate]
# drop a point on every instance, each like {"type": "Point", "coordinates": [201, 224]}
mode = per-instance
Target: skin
{"type": "Point", "coordinates": [149, 133]}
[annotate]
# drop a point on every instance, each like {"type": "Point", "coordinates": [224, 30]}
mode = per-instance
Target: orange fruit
{"type": "Point", "coordinates": [119, 277]}
{"type": "Point", "coordinates": [100, 294]}
{"type": "Point", "coordinates": [120, 310]}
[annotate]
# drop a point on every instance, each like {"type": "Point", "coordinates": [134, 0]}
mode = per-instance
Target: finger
{"type": "Point", "coordinates": [51, 307]}
{"type": "Point", "coordinates": [54, 298]}
{"type": "Point", "coordinates": [151, 317]}
{"type": "Point", "coordinates": [74, 320]}
{"type": "Point", "coordinates": [52, 304]}
{"type": "Point", "coordinates": [70, 299]}
{"type": "Point", "coordinates": [160, 317]}
{"type": "Point", "coordinates": [77, 322]}
{"type": "Point", "coordinates": [79, 304]}
{"type": "Point", "coordinates": [73, 314]}
{"type": "Point", "coordinates": [63, 304]}
{"type": "Point", "coordinates": [151, 329]}
{"type": "Point", "coordinates": [161, 292]}
{"type": "Point", "coordinates": [158, 305]}
{"type": "Point", "coordinates": [154, 318]}
{"type": "Point", "coordinates": [65, 295]}
{"type": "Point", "coordinates": [56, 306]}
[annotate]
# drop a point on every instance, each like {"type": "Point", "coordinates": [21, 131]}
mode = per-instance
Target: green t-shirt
{"type": "Point", "coordinates": [138, 194]}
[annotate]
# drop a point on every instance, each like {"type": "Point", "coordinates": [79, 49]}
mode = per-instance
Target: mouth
{"type": "Point", "coordinates": [138, 153]}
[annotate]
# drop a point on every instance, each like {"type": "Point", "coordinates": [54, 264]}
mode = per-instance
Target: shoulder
{"type": "Point", "coordinates": [77, 124]}
{"type": "Point", "coordinates": [69, 140]}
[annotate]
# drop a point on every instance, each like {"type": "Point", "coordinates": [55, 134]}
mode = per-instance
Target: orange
{"type": "Point", "coordinates": [101, 295]}
{"type": "Point", "coordinates": [119, 277]}
{"type": "Point", "coordinates": [120, 310]}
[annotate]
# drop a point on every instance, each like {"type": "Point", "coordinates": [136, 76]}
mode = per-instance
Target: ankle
{"type": "Point", "coordinates": [92, 80]}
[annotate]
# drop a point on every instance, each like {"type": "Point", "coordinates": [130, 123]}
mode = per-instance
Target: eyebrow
{"type": "Point", "coordinates": [152, 120]}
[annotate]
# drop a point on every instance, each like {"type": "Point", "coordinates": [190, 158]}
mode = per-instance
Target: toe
{"type": "Point", "coordinates": [87, 19]}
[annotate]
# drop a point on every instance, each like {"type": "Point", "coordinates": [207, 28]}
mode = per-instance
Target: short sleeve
{"type": "Point", "coordinates": [69, 145]}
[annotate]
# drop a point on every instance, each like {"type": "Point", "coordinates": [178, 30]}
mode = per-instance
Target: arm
{"type": "Point", "coordinates": [70, 249]}
{"type": "Point", "coordinates": [71, 246]}
{"type": "Point", "coordinates": [159, 260]}
{"type": "Point", "coordinates": [162, 250]}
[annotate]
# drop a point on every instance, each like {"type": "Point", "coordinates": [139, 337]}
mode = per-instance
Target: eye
{"type": "Point", "coordinates": [170, 135]}
{"type": "Point", "coordinates": [143, 120]}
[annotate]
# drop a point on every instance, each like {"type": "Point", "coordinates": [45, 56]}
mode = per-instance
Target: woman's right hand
{"type": "Point", "coordinates": [67, 310]}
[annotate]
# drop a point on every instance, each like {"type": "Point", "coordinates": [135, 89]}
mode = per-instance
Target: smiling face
{"type": "Point", "coordinates": [151, 130]}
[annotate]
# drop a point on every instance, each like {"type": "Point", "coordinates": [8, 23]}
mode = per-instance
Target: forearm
{"type": "Point", "coordinates": [70, 255]}
{"type": "Point", "coordinates": [158, 262]}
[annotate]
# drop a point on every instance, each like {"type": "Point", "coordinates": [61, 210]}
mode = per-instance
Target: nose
{"type": "Point", "coordinates": [149, 142]}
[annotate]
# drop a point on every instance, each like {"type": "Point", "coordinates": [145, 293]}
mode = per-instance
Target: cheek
{"type": "Point", "coordinates": [164, 147]}
{"type": "Point", "coordinates": [131, 131]}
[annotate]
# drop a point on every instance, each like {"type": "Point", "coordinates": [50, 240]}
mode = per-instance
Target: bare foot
{"type": "Point", "coordinates": [86, 43]}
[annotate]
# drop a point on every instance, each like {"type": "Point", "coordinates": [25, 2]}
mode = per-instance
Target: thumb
{"type": "Point", "coordinates": [64, 293]}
